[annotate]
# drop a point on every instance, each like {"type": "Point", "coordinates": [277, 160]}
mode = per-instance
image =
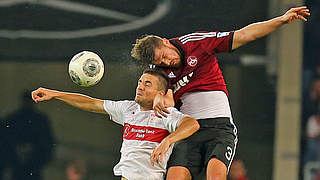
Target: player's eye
{"type": "Point", "coordinates": [148, 84]}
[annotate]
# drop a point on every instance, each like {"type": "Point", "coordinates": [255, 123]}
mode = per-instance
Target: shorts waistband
{"type": "Point", "coordinates": [209, 122]}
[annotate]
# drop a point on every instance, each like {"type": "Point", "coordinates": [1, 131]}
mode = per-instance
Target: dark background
{"type": "Point", "coordinates": [27, 63]}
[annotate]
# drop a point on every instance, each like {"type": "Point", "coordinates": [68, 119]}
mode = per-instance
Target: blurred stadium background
{"type": "Point", "coordinates": [39, 37]}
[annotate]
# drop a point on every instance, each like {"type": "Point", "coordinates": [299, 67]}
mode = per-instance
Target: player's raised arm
{"type": "Point", "coordinates": [186, 127]}
{"type": "Point", "coordinates": [261, 29]}
{"type": "Point", "coordinates": [74, 99]}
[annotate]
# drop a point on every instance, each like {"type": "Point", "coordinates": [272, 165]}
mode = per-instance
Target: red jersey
{"type": "Point", "coordinates": [200, 70]}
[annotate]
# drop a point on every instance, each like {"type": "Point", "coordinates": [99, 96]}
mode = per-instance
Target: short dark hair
{"type": "Point", "coordinates": [143, 49]}
{"type": "Point", "coordinates": [163, 78]}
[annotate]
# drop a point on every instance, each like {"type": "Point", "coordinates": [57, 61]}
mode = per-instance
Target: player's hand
{"type": "Point", "coordinates": [158, 152]}
{"type": "Point", "coordinates": [296, 13]}
{"type": "Point", "coordinates": [42, 94]}
{"type": "Point", "coordinates": [161, 102]}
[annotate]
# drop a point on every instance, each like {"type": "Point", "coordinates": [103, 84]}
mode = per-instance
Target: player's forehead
{"type": "Point", "coordinates": [148, 77]}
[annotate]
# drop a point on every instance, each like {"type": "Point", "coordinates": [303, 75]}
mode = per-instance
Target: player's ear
{"type": "Point", "coordinates": [165, 41]}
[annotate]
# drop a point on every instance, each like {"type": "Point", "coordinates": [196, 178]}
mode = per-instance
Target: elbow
{"type": "Point", "coordinates": [196, 126]}
{"type": "Point", "coordinates": [252, 38]}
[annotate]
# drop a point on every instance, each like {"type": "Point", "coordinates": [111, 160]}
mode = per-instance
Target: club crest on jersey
{"type": "Point", "coordinates": [192, 61]}
{"type": "Point", "coordinates": [126, 130]}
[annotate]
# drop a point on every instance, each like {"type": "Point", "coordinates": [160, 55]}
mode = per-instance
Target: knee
{"type": "Point", "coordinates": [216, 170]}
{"type": "Point", "coordinates": [217, 176]}
{"type": "Point", "coordinates": [178, 173]}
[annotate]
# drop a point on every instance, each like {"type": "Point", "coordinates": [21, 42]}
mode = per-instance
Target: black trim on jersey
{"type": "Point", "coordinates": [177, 45]}
{"type": "Point", "coordinates": [231, 41]}
{"type": "Point", "coordinates": [178, 104]}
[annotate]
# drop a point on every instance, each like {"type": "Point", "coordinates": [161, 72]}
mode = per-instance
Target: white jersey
{"type": "Point", "coordinates": [208, 104]}
{"type": "Point", "coordinates": [142, 133]}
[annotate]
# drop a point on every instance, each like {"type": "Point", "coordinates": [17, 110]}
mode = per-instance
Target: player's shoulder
{"type": "Point", "coordinates": [130, 104]}
{"type": "Point", "coordinates": [194, 38]}
{"type": "Point", "coordinates": [125, 104]}
{"type": "Point", "coordinates": [198, 34]}
{"type": "Point", "coordinates": [173, 110]}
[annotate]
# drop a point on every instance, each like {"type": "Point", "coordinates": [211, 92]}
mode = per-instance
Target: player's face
{"type": "Point", "coordinates": [167, 55]}
{"type": "Point", "coordinates": [146, 90]}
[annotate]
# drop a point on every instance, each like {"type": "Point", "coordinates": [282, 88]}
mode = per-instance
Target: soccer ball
{"type": "Point", "coordinates": [86, 69]}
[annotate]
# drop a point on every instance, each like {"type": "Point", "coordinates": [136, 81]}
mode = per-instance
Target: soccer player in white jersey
{"type": "Point", "coordinates": [147, 139]}
{"type": "Point", "coordinates": [199, 87]}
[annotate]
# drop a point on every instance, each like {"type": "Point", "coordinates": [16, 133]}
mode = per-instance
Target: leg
{"type": "Point", "coordinates": [185, 161]}
{"type": "Point", "coordinates": [216, 170]}
{"type": "Point", "coordinates": [220, 149]}
{"type": "Point", "coordinates": [178, 173]}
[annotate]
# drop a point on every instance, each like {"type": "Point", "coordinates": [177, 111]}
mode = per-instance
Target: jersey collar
{"type": "Point", "coordinates": [177, 45]}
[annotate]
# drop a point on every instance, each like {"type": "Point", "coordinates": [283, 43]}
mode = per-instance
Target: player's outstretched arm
{"type": "Point", "coordinates": [74, 99]}
{"type": "Point", "coordinates": [186, 127]}
{"type": "Point", "coordinates": [261, 29]}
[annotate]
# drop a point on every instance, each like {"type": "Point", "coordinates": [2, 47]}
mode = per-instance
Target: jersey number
{"type": "Point", "coordinates": [228, 154]}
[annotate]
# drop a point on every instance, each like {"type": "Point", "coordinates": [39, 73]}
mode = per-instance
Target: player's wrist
{"type": "Point", "coordinates": [169, 139]}
{"type": "Point", "coordinates": [57, 94]}
{"type": "Point", "coordinates": [282, 19]}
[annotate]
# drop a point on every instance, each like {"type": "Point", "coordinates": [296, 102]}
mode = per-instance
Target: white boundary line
{"type": "Point", "coordinates": [87, 9]}
{"type": "Point", "coordinates": [160, 11]}
{"type": "Point", "coordinates": [74, 7]}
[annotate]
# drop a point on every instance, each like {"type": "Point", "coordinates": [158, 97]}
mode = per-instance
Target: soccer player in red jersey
{"type": "Point", "coordinates": [200, 90]}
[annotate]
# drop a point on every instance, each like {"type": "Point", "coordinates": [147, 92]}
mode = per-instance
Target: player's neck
{"type": "Point", "coordinates": [145, 108]}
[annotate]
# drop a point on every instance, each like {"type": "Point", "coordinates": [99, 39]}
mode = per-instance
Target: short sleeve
{"type": "Point", "coordinates": [224, 42]}
{"type": "Point", "coordinates": [171, 122]}
{"type": "Point", "coordinates": [116, 110]}
{"type": "Point", "coordinates": [212, 42]}
{"type": "Point", "coordinates": [221, 42]}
